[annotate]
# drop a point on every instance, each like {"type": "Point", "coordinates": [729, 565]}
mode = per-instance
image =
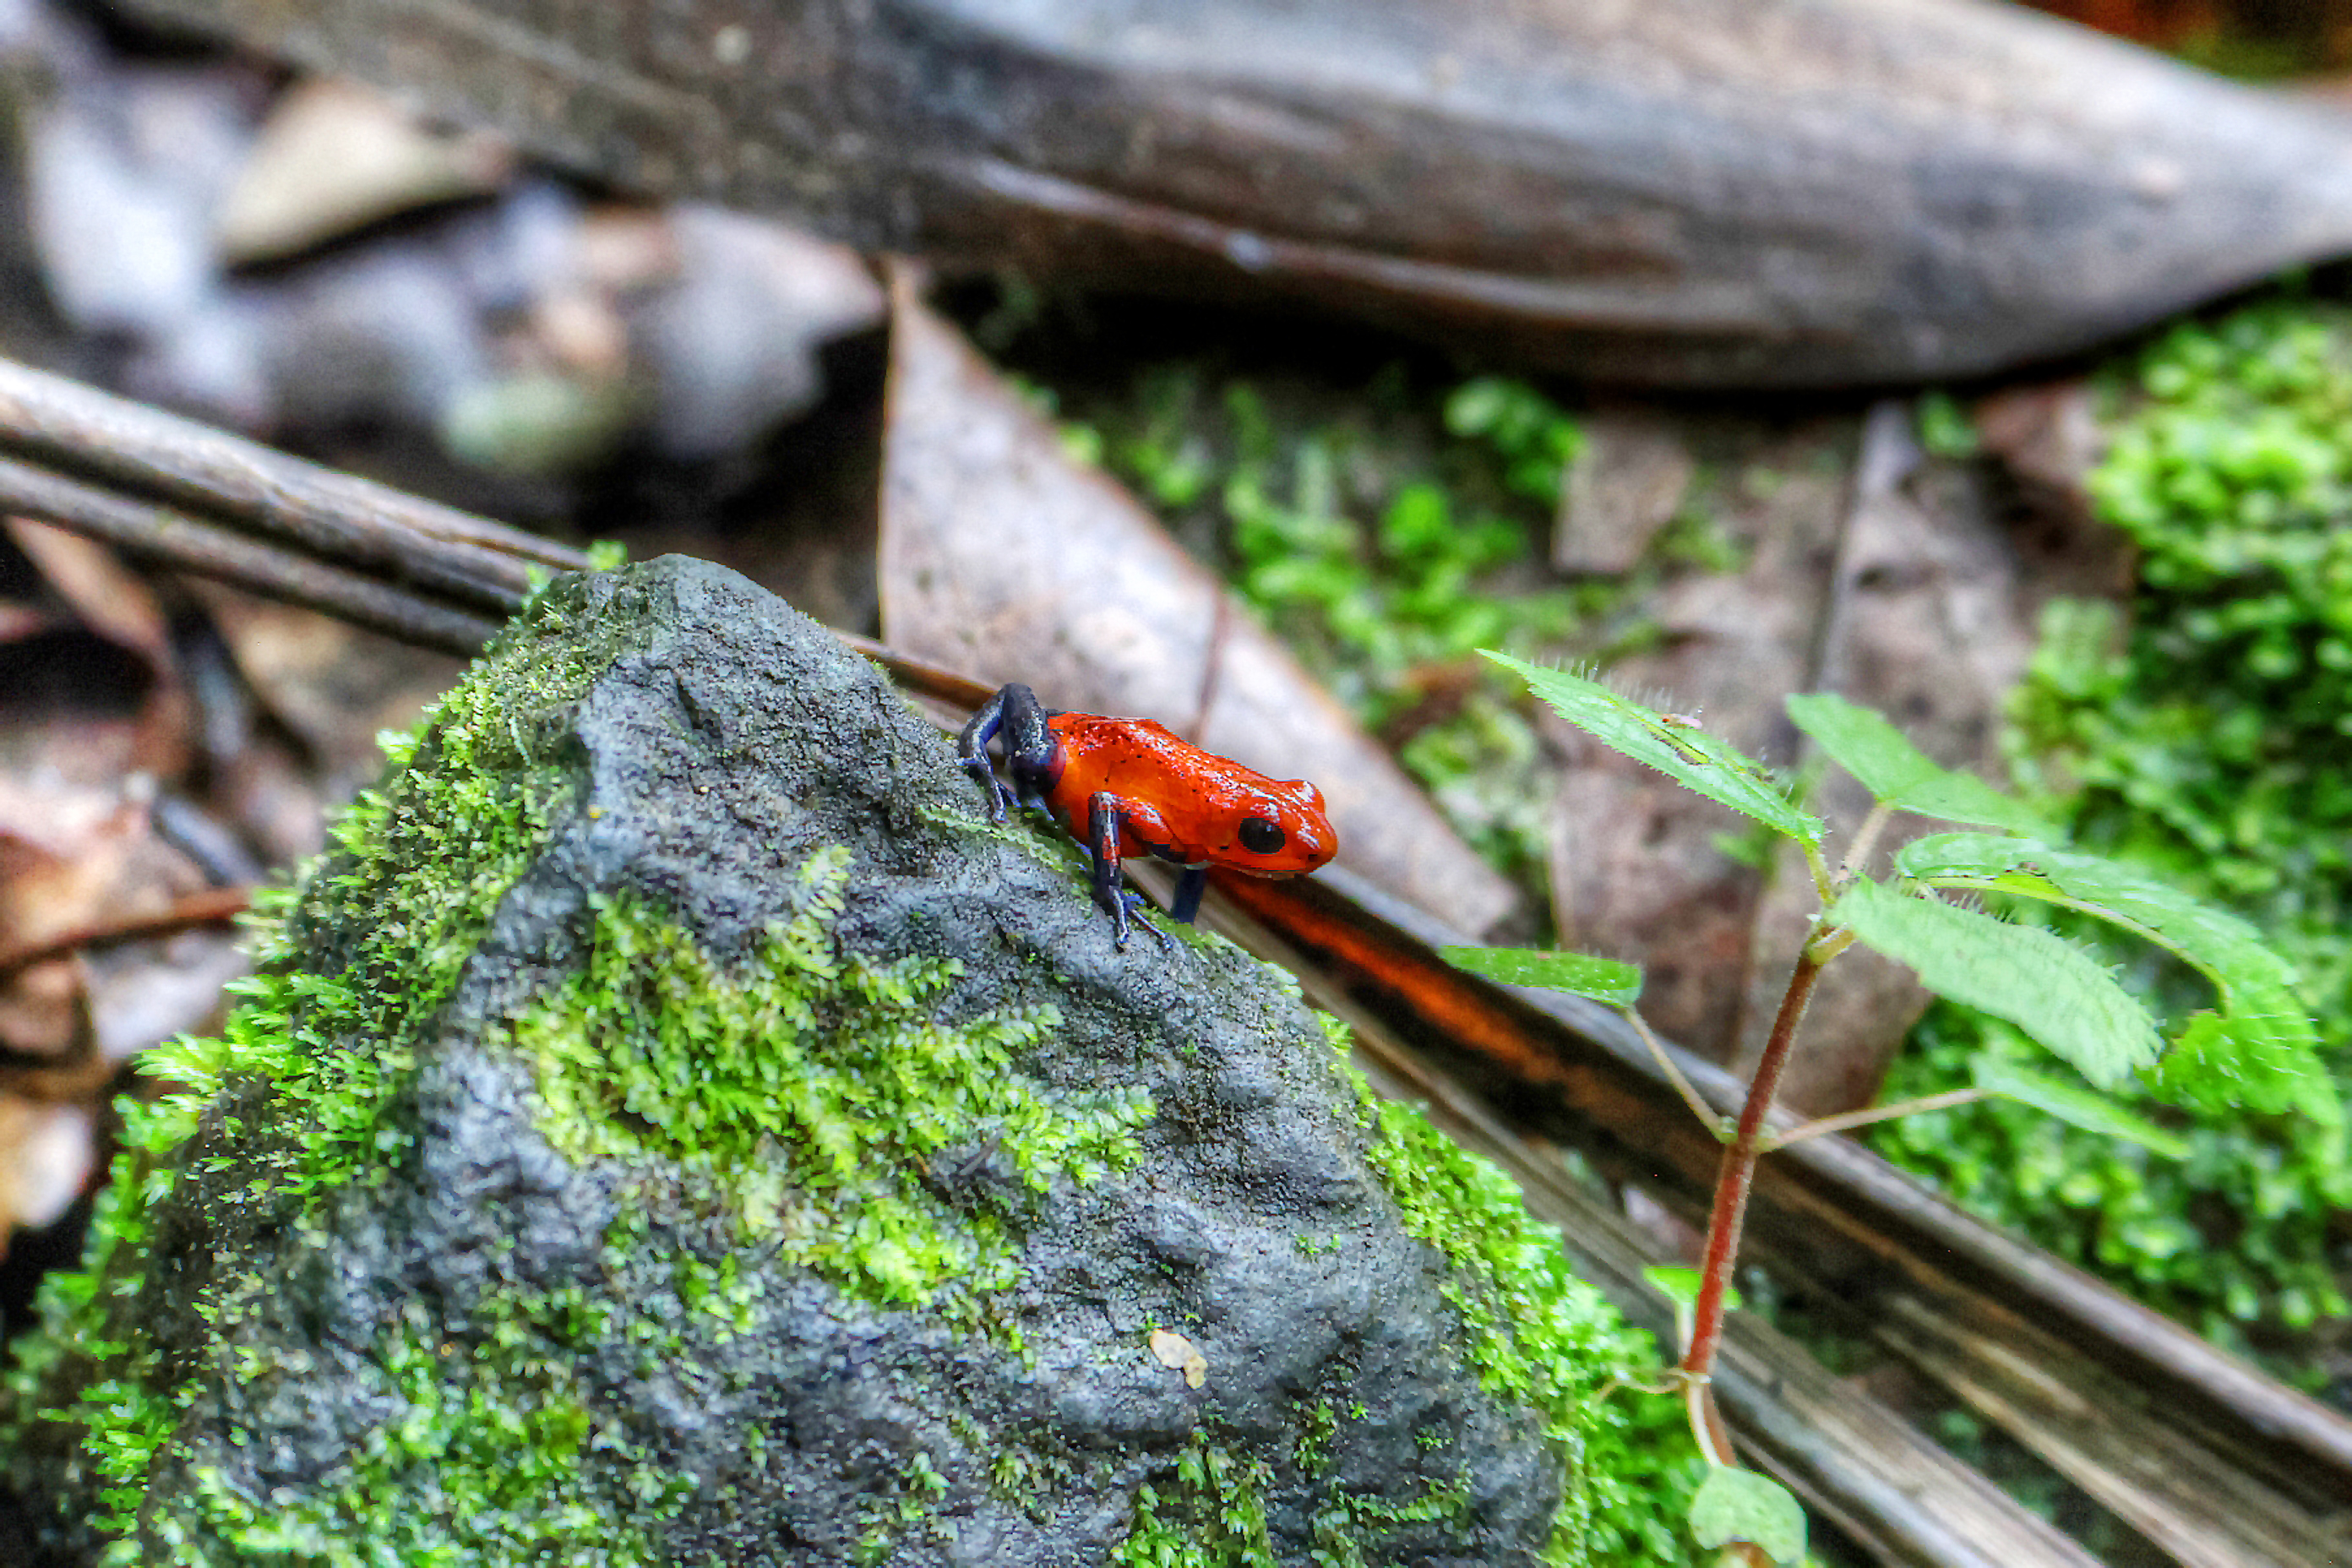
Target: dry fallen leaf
{"type": "Point", "coordinates": [115, 605]}
{"type": "Point", "coordinates": [105, 596]}
{"type": "Point", "coordinates": [1177, 1353]}
{"type": "Point", "coordinates": [145, 992]}
{"type": "Point", "coordinates": [45, 1158]}
{"type": "Point", "coordinates": [1003, 556]}
{"type": "Point", "coordinates": [333, 685]}
{"type": "Point", "coordinates": [2047, 435]}
{"type": "Point", "coordinates": [1864, 572]}
{"type": "Point", "coordinates": [1637, 872]}
{"type": "Point", "coordinates": [333, 156]}
{"type": "Point", "coordinates": [1625, 484]}
{"type": "Point", "coordinates": [1916, 621]}
{"type": "Point", "coordinates": [71, 859]}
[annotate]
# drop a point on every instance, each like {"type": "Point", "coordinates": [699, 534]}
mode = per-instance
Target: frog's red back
{"type": "Point", "coordinates": [1188, 805]}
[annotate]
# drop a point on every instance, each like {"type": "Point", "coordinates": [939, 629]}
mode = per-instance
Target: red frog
{"type": "Point", "coordinates": [1127, 785]}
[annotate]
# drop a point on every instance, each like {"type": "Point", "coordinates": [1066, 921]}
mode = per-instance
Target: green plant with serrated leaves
{"type": "Point", "coordinates": [2196, 731]}
{"type": "Point", "coordinates": [2254, 1046]}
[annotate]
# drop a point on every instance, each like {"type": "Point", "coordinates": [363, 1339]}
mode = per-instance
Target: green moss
{"type": "Point", "coordinates": [2204, 739]}
{"type": "Point", "coordinates": [1213, 1515]}
{"type": "Point", "coordinates": [481, 1465]}
{"type": "Point", "coordinates": [1537, 1335]}
{"type": "Point", "coordinates": [412, 874]}
{"type": "Point", "coordinates": [353, 968]}
{"type": "Point", "coordinates": [813, 1088]}
{"type": "Point", "coordinates": [909, 1504]}
{"type": "Point", "coordinates": [1319, 1424]}
{"type": "Point", "coordinates": [1340, 1528]}
{"type": "Point", "coordinates": [691, 1077]}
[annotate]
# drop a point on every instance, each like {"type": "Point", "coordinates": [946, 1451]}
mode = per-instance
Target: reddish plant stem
{"type": "Point", "coordinates": [1737, 1173]}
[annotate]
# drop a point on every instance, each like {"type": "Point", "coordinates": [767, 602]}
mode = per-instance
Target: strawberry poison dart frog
{"type": "Point", "coordinates": [1124, 786]}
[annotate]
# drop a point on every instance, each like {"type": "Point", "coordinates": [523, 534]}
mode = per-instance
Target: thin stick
{"type": "Point", "coordinates": [175, 538]}
{"type": "Point", "coordinates": [210, 907]}
{"type": "Point", "coordinates": [129, 446]}
{"type": "Point", "coordinates": [1865, 838]}
{"type": "Point", "coordinates": [1847, 1121]}
{"type": "Point", "coordinates": [1708, 1116]}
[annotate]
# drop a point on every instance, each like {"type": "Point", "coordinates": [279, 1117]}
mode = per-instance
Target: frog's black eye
{"type": "Point", "coordinates": [1260, 836]}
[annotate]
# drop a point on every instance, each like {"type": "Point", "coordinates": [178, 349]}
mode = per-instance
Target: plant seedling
{"type": "Point", "coordinates": [2256, 1047]}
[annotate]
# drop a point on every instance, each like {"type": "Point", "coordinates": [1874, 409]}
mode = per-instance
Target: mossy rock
{"type": "Point", "coordinates": [673, 1126]}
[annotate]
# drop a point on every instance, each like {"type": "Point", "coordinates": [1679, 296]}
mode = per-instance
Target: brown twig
{"type": "Point", "coordinates": [210, 907]}
{"type": "Point", "coordinates": [367, 527]}
{"type": "Point", "coordinates": [170, 537]}
{"type": "Point", "coordinates": [206, 501]}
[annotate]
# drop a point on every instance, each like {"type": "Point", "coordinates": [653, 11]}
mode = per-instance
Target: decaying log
{"type": "Point", "coordinates": [1699, 192]}
{"type": "Point", "coordinates": [2114, 1439]}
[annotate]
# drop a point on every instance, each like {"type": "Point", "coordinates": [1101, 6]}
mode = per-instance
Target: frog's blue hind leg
{"type": "Point", "coordinates": [1189, 889]}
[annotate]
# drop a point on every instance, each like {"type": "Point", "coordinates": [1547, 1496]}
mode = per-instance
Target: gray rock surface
{"type": "Point", "coordinates": [479, 1336]}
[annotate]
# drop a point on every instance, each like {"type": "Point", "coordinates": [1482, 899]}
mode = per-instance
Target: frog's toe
{"type": "Point", "coordinates": [998, 795]}
{"type": "Point", "coordinates": [1135, 905]}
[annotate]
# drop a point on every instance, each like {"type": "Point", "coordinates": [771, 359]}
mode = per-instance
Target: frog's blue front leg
{"type": "Point", "coordinates": [1111, 881]}
{"type": "Point", "coordinates": [1032, 754]}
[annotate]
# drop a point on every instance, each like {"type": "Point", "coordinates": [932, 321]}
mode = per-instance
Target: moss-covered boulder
{"type": "Point", "coordinates": [673, 1126]}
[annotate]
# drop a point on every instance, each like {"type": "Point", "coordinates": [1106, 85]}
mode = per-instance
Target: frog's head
{"type": "Point", "coordinates": [1279, 829]}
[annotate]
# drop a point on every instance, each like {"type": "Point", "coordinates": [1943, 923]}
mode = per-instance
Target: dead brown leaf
{"type": "Point", "coordinates": [45, 1158]}
{"type": "Point", "coordinates": [1904, 587]}
{"type": "Point", "coordinates": [104, 595]}
{"type": "Point", "coordinates": [1625, 484]}
{"type": "Point", "coordinates": [333, 156]}
{"type": "Point", "coordinates": [71, 859]}
{"type": "Point", "coordinates": [1003, 556]}
{"type": "Point", "coordinates": [145, 992]}
{"type": "Point", "coordinates": [332, 685]}
{"type": "Point", "coordinates": [1177, 1353]}
{"type": "Point", "coordinates": [114, 603]}
{"type": "Point", "coordinates": [1895, 600]}
{"type": "Point", "coordinates": [1637, 870]}
{"type": "Point", "coordinates": [2047, 435]}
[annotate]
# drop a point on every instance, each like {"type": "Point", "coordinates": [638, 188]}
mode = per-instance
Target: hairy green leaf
{"type": "Point", "coordinates": [2259, 1050]}
{"type": "Point", "coordinates": [1675, 1283]}
{"type": "Point", "coordinates": [1675, 747]}
{"type": "Point", "coordinates": [1580, 973]}
{"type": "Point", "coordinates": [2074, 1105]}
{"type": "Point", "coordinates": [1896, 772]}
{"type": "Point", "coordinates": [1681, 1285]}
{"type": "Point", "coordinates": [2058, 995]}
{"type": "Point", "coordinates": [1733, 1504]}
